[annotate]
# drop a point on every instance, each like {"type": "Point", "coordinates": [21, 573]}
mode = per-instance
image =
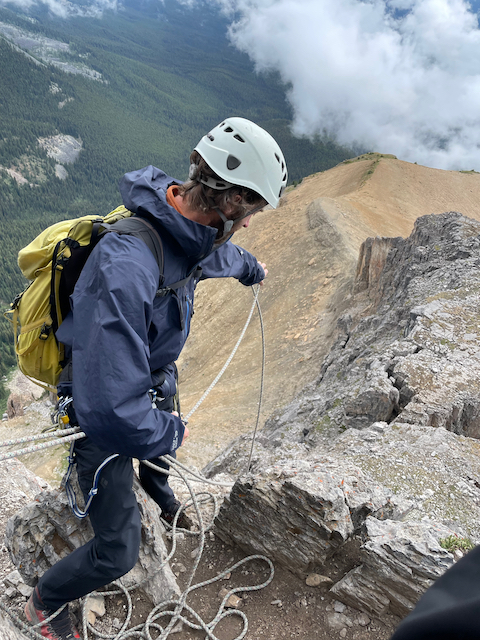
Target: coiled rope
{"type": "Point", "coordinates": [172, 609]}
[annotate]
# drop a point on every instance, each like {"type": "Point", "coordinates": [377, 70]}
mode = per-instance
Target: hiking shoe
{"type": "Point", "coordinates": [59, 628]}
{"type": "Point", "coordinates": [183, 522]}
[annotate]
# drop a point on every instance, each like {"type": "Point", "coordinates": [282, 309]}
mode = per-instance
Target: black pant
{"type": "Point", "coordinates": [116, 522]}
{"type": "Point", "coordinates": [156, 485]}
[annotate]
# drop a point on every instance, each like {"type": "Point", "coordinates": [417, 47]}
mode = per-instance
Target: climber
{"type": "Point", "coordinates": [123, 340]}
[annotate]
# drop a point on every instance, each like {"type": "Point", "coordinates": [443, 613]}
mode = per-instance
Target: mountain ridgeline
{"type": "Point", "coordinates": [135, 87]}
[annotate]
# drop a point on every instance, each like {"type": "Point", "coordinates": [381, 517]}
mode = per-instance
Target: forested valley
{"type": "Point", "coordinates": [164, 76]}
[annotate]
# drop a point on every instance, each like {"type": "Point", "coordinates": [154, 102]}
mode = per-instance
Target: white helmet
{"type": "Point", "coordinates": [243, 154]}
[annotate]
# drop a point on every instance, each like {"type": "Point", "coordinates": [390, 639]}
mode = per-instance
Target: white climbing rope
{"type": "Point", "coordinates": [230, 357]}
{"type": "Point", "coordinates": [262, 380]}
{"type": "Point", "coordinates": [44, 445]}
{"type": "Point", "coordinates": [39, 436]}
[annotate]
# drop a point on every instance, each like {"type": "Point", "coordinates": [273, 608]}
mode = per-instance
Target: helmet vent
{"type": "Point", "coordinates": [239, 138]}
{"type": "Point", "coordinates": [228, 130]}
{"type": "Point", "coordinates": [210, 137]}
{"type": "Point", "coordinates": [233, 162]}
{"type": "Point", "coordinates": [277, 157]}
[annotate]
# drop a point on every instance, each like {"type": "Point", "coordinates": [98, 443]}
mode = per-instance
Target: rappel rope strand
{"type": "Point", "coordinates": [230, 357]}
{"type": "Point", "coordinates": [39, 436]}
{"type": "Point", "coordinates": [247, 469]}
{"type": "Point", "coordinates": [195, 477]}
{"type": "Point", "coordinates": [45, 445]}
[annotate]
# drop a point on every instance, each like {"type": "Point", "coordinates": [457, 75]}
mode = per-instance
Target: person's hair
{"type": "Point", "coordinates": [203, 198]}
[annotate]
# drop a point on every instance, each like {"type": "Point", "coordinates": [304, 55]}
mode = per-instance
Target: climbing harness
{"type": "Point", "coordinates": [174, 611]}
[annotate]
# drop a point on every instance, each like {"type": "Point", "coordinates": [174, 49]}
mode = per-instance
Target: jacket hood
{"type": "Point", "coordinates": [144, 193]}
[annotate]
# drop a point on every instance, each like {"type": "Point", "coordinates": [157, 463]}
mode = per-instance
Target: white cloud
{"type": "Point", "coordinates": [405, 82]}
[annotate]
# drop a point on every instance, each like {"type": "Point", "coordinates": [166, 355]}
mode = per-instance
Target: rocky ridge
{"type": "Point", "coordinates": [383, 447]}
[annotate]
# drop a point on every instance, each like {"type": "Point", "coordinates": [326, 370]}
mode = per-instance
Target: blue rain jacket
{"type": "Point", "coordinates": [120, 333]}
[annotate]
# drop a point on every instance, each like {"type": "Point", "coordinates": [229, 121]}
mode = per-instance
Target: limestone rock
{"type": "Point", "coordinates": [299, 513]}
{"type": "Point", "coordinates": [338, 621]}
{"type": "Point", "coordinates": [400, 561]}
{"type": "Point", "coordinates": [316, 580]}
{"type": "Point", "coordinates": [15, 404]}
{"type": "Point", "coordinates": [296, 521]}
{"type": "Point", "coordinates": [426, 472]}
{"type": "Point", "coordinates": [96, 604]}
{"type": "Point", "coordinates": [362, 620]}
{"type": "Point", "coordinates": [45, 531]}
{"type": "Point", "coordinates": [8, 631]}
{"type": "Point", "coordinates": [233, 601]}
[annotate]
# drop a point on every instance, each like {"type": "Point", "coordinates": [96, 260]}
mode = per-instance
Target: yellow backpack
{"type": "Point", "coordinates": [53, 262]}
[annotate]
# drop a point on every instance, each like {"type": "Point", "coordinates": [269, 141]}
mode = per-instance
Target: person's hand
{"type": "Point", "coordinates": [186, 433]}
{"type": "Point", "coordinates": [264, 267]}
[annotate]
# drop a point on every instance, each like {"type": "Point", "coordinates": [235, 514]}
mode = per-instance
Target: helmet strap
{"type": "Point", "coordinates": [227, 224]}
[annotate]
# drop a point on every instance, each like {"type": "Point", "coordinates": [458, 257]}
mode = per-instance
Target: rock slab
{"type": "Point", "coordinates": [400, 561]}
{"type": "Point", "coordinates": [46, 531]}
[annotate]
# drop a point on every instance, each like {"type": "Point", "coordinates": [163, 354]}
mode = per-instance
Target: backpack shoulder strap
{"type": "Point", "coordinates": [142, 229]}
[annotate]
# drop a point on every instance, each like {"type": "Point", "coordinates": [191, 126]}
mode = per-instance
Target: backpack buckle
{"type": "Point", "coordinates": [161, 293]}
{"type": "Point", "coordinates": [45, 332]}
{"type": "Point", "coordinates": [16, 302]}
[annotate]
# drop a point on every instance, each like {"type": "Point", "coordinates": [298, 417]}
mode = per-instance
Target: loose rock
{"type": "Point", "coordinates": [316, 580]}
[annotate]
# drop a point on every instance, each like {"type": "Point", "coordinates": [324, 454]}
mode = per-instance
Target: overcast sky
{"type": "Point", "coordinates": [395, 76]}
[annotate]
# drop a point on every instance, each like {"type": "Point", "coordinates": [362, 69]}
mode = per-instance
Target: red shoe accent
{"type": "Point", "coordinates": [59, 628]}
